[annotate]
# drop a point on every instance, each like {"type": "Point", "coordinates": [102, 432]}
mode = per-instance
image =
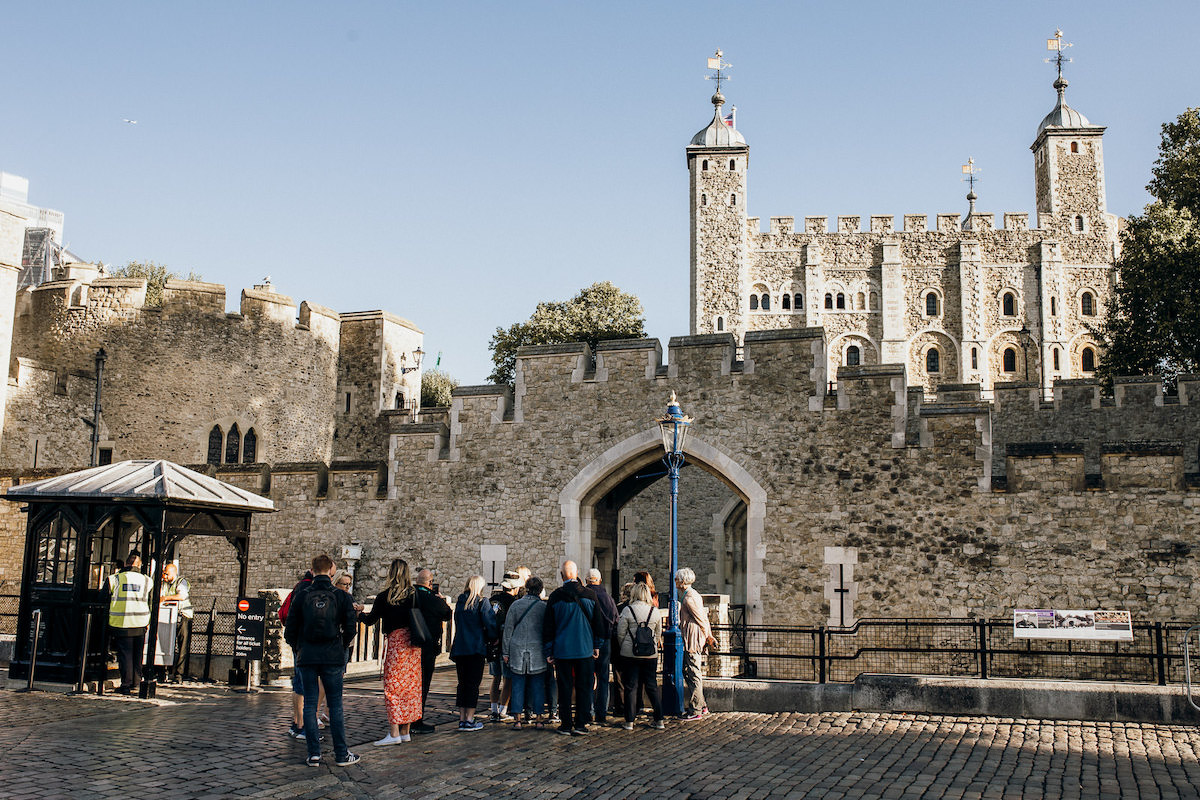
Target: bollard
{"type": "Point", "coordinates": [37, 630]}
{"type": "Point", "coordinates": [83, 655]}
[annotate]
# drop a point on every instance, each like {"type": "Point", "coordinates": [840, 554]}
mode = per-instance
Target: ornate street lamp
{"type": "Point", "coordinates": [674, 427]}
{"type": "Point", "coordinates": [1025, 339]}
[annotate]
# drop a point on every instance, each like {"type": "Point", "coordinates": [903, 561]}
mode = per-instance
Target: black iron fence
{"type": "Point", "coordinates": [8, 614]}
{"type": "Point", "coordinates": [948, 647]}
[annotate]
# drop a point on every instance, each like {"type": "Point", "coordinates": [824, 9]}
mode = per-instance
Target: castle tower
{"type": "Point", "coordinates": [717, 159]}
{"type": "Point", "coordinates": [1068, 158]}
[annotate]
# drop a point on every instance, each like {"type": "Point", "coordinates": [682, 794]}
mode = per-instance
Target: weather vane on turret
{"type": "Point", "coordinates": [715, 62]}
{"type": "Point", "coordinates": [1057, 45]}
{"type": "Point", "coordinates": [971, 171]}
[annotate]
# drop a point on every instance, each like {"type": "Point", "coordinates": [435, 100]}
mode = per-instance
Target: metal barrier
{"type": "Point", "coordinates": [1187, 664]}
{"type": "Point", "coordinates": [9, 605]}
{"type": "Point", "coordinates": [950, 647]}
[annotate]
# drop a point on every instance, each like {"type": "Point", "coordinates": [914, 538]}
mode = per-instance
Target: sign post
{"type": "Point", "coordinates": [249, 627]}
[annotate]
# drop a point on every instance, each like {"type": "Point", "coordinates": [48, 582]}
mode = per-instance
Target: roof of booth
{"type": "Point", "coordinates": [142, 481]}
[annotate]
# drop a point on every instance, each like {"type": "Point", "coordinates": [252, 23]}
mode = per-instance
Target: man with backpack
{"type": "Point", "coordinates": [296, 731]}
{"type": "Point", "coordinates": [321, 623]}
{"type": "Point", "coordinates": [607, 612]}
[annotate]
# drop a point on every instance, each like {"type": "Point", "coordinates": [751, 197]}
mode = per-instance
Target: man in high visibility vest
{"type": "Point", "coordinates": [175, 593]}
{"type": "Point", "coordinates": [128, 619]}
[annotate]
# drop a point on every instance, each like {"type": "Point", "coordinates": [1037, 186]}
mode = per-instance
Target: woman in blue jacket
{"type": "Point", "coordinates": [474, 625]}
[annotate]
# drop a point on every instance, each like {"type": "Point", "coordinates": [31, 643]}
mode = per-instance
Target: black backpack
{"type": "Point", "coordinates": [643, 637]}
{"type": "Point", "coordinates": [321, 622]}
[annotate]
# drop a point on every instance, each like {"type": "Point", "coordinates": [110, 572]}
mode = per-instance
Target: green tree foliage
{"type": "Point", "coordinates": [1153, 324]}
{"type": "Point", "coordinates": [601, 311]}
{"type": "Point", "coordinates": [156, 276]}
{"type": "Point", "coordinates": [435, 388]}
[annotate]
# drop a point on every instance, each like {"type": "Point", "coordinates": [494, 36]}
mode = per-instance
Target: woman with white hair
{"type": "Point", "coordinates": [693, 623]}
{"type": "Point", "coordinates": [474, 626]}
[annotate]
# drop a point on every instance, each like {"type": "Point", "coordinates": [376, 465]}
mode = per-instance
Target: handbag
{"type": "Point", "coordinates": [418, 627]}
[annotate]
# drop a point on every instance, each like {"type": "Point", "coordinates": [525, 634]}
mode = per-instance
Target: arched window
{"type": "Point", "coordinates": [233, 444]}
{"type": "Point", "coordinates": [1074, 147]}
{"type": "Point", "coordinates": [828, 300]}
{"type": "Point", "coordinates": [732, 165]}
{"type": "Point", "coordinates": [931, 304]}
{"type": "Point", "coordinates": [733, 199]}
{"type": "Point", "coordinates": [1009, 304]}
{"type": "Point", "coordinates": [766, 302]}
{"type": "Point", "coordinates": [250, 447]}
{"type": "Point", "coordinates": [860, 301]}
{"type": "Point", "coordinates": [798, 302]}
{"type": "Point", "coordinates": [1055, 354]}
{"type": "Point", "coordinates": [215, 439]}
{"type": "Point", "coordinates": [841, 300]}
{"type": "Point", "coordinates": [704, 165]}
{"type": "Point", "coordinates": [933, 361]}
{"type": "Point", "coordinates": [720, 324]}
{"type": "Point", "coordinates": [1010, 360]}
{"type": "Point", "coordinates": [1087, 360]}
{"type": "Point", "coordinates": [1053, 306]}
{"type": "Point", "coordinates": [1087, 304]}
{"type": "Point", "coordinates": [754, 302]}
{"type": "Point", "coordinates": [1079, 223]}
{"type": "Point", "coordinates": [399, 400]}
{"type": "Point", "coordinates": [785, 302]}
{"type": "Point", "coordinates": [703, 199]}
{"type": "Point", "coordinates": [974, 358]}
{"type": "Point", "coordinates": [853, 356]}
{"type": "Point", "coordinates": [874, 301]}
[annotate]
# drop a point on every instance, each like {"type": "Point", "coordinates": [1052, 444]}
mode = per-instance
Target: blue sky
{"type": "Point", "coordinates": [455, 163]}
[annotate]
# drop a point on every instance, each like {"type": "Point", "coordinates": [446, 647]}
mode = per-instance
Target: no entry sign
{"type": "Point", "coordinates": [248, 628]}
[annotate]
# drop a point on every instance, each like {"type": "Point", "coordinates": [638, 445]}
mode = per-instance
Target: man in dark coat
{"type": "Point", "coordinates": [572, 631]}
{"type": "Point", "coordinates": [608, 618]}
{"type": "Point", "coordinates": [437, 612]}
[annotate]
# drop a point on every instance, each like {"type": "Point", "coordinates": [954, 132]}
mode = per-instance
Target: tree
{"type": "Point", "coordinates": [156, 276]}
{"type": "Point", "coordinates": [435, 388]}
{"type": "Point", "coordinates": [601, 311]}
{"type": "Point", "coordinates": [1153, 322]}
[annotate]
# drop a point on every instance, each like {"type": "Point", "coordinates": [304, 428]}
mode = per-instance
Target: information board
{"type": "Point", "coordinates": [249, 627]}
{"type": "Point", "coordinates": [1051, 623]}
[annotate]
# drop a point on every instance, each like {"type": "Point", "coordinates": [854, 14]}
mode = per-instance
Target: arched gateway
{"type": "Point", "coordinates": [624, 461]}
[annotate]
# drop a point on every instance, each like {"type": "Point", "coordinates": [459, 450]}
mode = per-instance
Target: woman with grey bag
{"type": "Point", "coordinates": [524, 658]}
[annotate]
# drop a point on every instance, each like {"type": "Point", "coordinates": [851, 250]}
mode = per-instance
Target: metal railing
{"type": "Point", "coordinates": [9, 603]}
{"type": "Point", "coordinates": [946, 647]}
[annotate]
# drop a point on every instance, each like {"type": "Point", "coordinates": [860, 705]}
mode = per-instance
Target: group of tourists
{"type": "Point", "coordinates": [549, 656]}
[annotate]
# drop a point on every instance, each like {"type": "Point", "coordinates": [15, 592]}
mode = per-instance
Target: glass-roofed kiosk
{"type": "Point", "coordinates": [81, 524]}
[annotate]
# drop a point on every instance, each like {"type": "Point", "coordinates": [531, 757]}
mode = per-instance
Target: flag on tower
{"type": "Point", "coordinates": [729, 120]}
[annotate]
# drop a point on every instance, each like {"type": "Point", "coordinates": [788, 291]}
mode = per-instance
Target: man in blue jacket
{"type": "Point", "coordinates": [321, 623]}
{"type": "Point", "coordinates": [572, 632]}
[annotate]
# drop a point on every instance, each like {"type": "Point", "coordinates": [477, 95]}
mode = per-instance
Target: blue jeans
{"type": "Point", "coordinates": [331, 676]}
{"type": "Point", "coordinates": [600, 695]}
{"type": "Point", "coordinates": [526, 687]}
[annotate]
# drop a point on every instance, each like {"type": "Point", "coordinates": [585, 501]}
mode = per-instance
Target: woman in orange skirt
{"type": "Point", "coordinates": [402, 664]}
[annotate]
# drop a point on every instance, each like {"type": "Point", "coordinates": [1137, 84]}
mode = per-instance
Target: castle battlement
{"type": "Point", "coordinates": [886, 224]}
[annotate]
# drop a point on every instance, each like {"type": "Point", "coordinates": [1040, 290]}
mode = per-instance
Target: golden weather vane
{"type": "Point", "coordinates": [1058, 46]}
{"type": "Point", "coordinates": [715, 62]}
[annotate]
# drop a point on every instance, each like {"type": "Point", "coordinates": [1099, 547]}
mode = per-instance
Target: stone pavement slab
{"type": "Point", "coordinates": [210, 743]}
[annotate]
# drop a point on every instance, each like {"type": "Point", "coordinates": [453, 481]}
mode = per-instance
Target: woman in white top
{"type": "Point", "coordinates": [639, 632]}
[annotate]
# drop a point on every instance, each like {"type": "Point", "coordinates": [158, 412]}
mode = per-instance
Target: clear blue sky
{"type": "Point", "coordinates": [455, 163]}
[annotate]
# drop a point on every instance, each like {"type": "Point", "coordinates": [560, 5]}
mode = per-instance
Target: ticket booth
{"type": "Point", "coordinates": [79, 525]}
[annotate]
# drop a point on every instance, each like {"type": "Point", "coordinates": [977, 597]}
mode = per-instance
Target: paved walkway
{"type": "Point", "coordinates": [208, 743]}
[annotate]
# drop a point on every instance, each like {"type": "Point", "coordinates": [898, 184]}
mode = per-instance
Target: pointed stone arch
{"type": "Point", "coordinates": [603, 473]}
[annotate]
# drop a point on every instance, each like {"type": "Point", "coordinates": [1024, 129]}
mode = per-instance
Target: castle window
{"type": "Point", "coordinates": [347, 402]}
{"type": "Point", "coordinates": [1087, 360]}
{"type": "Point", "coordinates": [1074, 147]}
{"type": "Point", "coordinates": [1053, 307]}
{"type": "Point", "coordinates": [1009, 304]}
{"type": "Point", "coordinates": [250, 447]}
{"type": "Point", "coordinates": [399, 400]}
{"type": "Point", "coordinates": [732, 165]}
{"type": "Point", "coordinates": [754, 302]}
{"type": "Point", "coordinates": [720, 324]}
{"type": "Point", "coordinates": [798, 302]}
{"type": "Point", "coordinates": [860, 301]}
{"type": "Point", "coordinates": [766, 302]}
{"type": "Point", "coordinates": [828, 301]}
{"type": "Point", "coordinates": [841, 300]}
{"type": "Point", "coordinates": [933, 361]}
{"type": "Point", "coordinates": [703, 199]}
{"type": "Point", "coordinates": [931, 304]}
{"type": "Point", "coordinates": [1079, 223]}
{"type": "Point", "coordinates": [1010, 360]}
{"type": "Point", "coordinates": [853, 356]}
{"type": "Point", "coordinates": [104, 456]}
{"type": "Point", "coordinates": [874, 301]}
{"type": "Point", "coordinates": [1087, 305]}
{"type": "Point", "coordinates": [785, 302]}
{"type": "Point", "coordinates": [733, 199]}
{"type": "Point", "coordinates": [215, 439]}
{"type": "Point", "coordinates": [1055, 354]}
{"type": "Point", "coordinates": [974, 358]}
{"type": "Point", "coordinates": [233, 444]}
{"type": "Point", "coordinates": [704, 165]}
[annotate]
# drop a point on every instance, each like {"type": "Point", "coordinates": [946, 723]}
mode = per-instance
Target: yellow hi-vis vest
{"type": "Point", "coordinates": [130, 603]}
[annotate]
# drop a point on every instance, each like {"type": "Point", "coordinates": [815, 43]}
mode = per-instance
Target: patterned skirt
{"type": "Point", "coordinates": [402, 679]}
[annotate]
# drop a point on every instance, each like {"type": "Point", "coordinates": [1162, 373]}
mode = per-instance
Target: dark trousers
{"type": "Point", "coordinates": [618, 680]}
{"type": "Point", "coordinates": [183, 648]}
{"type": "Point", "coordinates": [428, 662]}
{"type": "Point", "coordinates": [575, 675]}
{"type": "Point", "coordinates": [600, 696]}
{"type": "Point", "coordinates": [470, 674]}
{"type": "Point", "coordinates": [641, 673]}
{"type": "Point", "coordinates": [330, 676]}
{"type": "Point", "coordinates": [129, 642]}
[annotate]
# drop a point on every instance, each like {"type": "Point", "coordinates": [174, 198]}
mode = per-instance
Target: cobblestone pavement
{"type": "Point", "coordinates": [206, 743]}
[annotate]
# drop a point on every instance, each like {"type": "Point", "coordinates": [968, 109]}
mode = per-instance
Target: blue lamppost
{"type": "Point", "coordinates": [674, 427]}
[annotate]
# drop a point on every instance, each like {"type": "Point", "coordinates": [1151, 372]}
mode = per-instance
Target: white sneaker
{"type": "Point", "coordinates": [385, 741]}
{"type": "Point", "coordinates": [406, 737]}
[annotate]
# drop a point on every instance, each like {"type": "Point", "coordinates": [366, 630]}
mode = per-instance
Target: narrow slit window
{"type": "Point", "coordinates": [704, 165]}
{"type": "Point", "coordinates": [1087, 305]}
{"type": "Point", "coordinates": [766, 302]}
{"type": "Point", "coordinates": [841, 300]}
{"type": "Point", "coordinates": [1055, 353]}
{"type": "Point", "coordinates": [732, 165]}
{"type": "Point", "coordinates": [974, 358]}
{"type": "Point", "coordinates": [1009, 304]}
{"type": "Point", "coordinates": [720, 324]}
{"type": "Point", "coordinates": [931, 305]}
{"type": "Point", "coordinates": [233, 444]}
{"type": "Point", "coordinates": [250, 447]}
{"type": "Point", "coordinates": [785, 302]}
{"type": "Point", "coordinates": [829, 301]}
{"type": "Point", "coordinates": [216, 438]}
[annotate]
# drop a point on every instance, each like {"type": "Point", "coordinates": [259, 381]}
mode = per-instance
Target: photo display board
{"type": "Point", "coordinates": [1050, 623]}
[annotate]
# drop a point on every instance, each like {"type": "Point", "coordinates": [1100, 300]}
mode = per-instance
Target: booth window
{"type": "Point", "coordinates": [55, 542]}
